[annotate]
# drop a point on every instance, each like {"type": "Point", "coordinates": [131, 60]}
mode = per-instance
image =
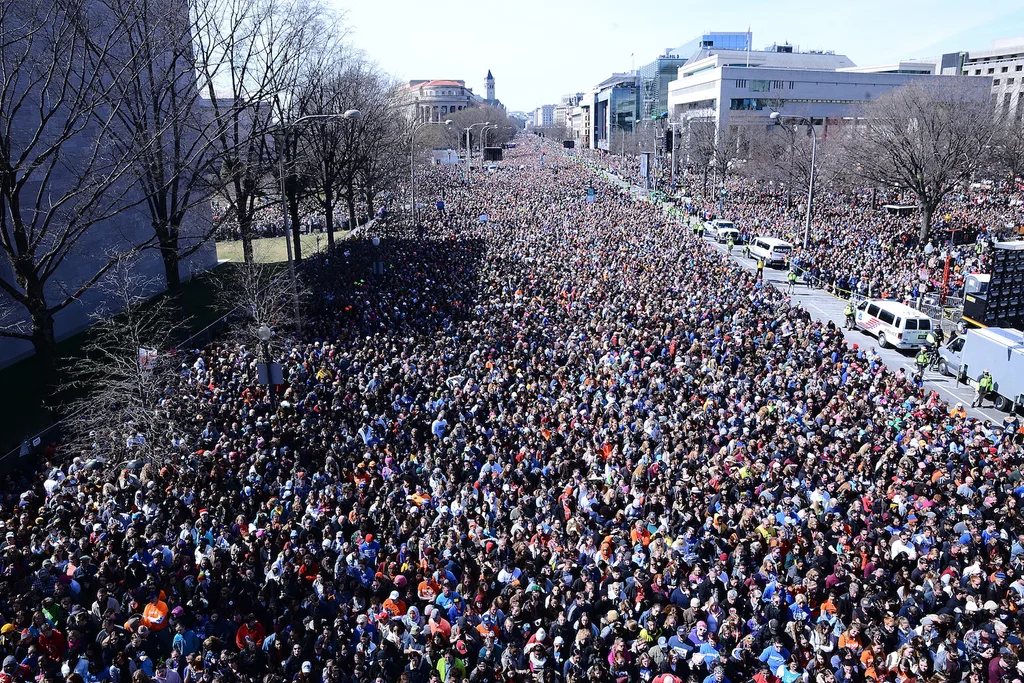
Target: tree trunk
{"type": "Point", "coordinates": [926, 221]}
{"type": "Point", "coordinates": [350, 199]}
{"type": "Point", "coordinates": [369, 204]}
{"type": "Point", "coordinates": [44, 341]}
{"type": "Point", "coordinates": [169, 255]}
{"type": "Point", "coordinates": [329, 214]}
{"type": "Point", "coordinates": [245, 228]}
{"type": "Point", "coordinates": [293, 212]}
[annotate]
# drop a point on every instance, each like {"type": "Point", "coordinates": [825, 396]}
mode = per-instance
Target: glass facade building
{"type": "Point", "coordinates": [654, 80]}
{"type": "Point", "coordinates": [616, 108]}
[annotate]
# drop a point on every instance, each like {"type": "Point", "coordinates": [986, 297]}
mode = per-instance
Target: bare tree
{"type": "Point", "coordinates": [782, 155]}
{"type": "Point", "coordinates": [700, 142]}
{"type": "Point", "coordinates": [60, 179]}
{"type": "Point", "coordinates": [328, 142]}
{"type": "Point", "coordinates": [247, 54]}
{"type": "Point", "coordinates": [161, 116]}
{"type": "Point", "coordinates": [299, 97]}
{"type": "Point", "coordinates": [121, 376]}
{"type": "Point", "coordinates": [260, 293]}
{"type": "Point", "coordinates": [1008, 146]}
{"type": "Point", "coordinates": [924, 137]}
{"type": "Point", "coordinates": [501, 130]}
{"type": "Point", "coordinates": [383, 142]}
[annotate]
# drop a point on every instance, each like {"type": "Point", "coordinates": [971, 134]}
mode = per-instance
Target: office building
{"type": "Point", "coordinates": [616, 108]}
{"type": "Point", "coordinates": [544, 116]}
{"type": "Point", "coordinates": [653, 79]}
{"type": "Point", "coordinates": [736, 88]}
{"type": "Point", "coordinates": [1003, 62]}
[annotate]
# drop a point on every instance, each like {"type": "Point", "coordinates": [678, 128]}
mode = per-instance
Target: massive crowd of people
{"type": "Point", "coordinates": [860, 242]}
{"type": "Point", "coordinates": [558, 440]}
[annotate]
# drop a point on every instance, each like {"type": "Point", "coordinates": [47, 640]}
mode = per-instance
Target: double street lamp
{"type": "Point", "coordinates": [777, 119]}
{"type": "Point", "coordinates": [412, 160]}
{"type": "Point", "coordinates": [469, 149]}
{"type": "Point", "coordinates": [352, 115]}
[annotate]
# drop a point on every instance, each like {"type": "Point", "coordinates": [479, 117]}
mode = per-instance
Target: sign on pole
{"type": "Point", "coordinates": [147, 360]}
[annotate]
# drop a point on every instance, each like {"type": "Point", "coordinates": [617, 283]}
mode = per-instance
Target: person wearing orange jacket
{"type": "Point", "coordinates": [395, 605]}
{"type": "Point", "coordinates": [154, 615]}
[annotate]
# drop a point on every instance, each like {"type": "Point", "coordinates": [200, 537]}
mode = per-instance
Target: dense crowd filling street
{"type": "Point", "coordinates": [557, 440]}
{"type": "Point", "coordinates": [856, 244]}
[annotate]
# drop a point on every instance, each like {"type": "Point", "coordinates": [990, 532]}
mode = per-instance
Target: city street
{"type": "Point", "coordinates": [824, 306]}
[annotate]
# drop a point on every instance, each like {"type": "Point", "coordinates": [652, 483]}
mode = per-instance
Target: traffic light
{"type": "Point", "coordinates": [668, 140]}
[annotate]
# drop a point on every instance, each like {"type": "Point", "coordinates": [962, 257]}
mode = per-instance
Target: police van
{"type": "Point", "coordinates": [896, 325]}
{"type": "Point", "coordinates": [775, 252]}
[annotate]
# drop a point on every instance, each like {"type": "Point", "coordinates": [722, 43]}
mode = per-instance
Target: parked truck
{"type": "Point", "coordinates": [998, 350]}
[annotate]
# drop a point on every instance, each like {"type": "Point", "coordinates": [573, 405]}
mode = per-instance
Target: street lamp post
{"type": "Point", "coordinates": [778, 118]}
{"type": "Point", "coordinates": [469, 150]}
{"type": "Point", "coordinates": [412, 161]}
{"type": "Point", "coordinates": [264, 333]}
{"type": "Point", "coordinates": [483, 135]}
{"type": "Point", "coordinates": [351, 115]}
{"type": "Point", "coordinates": [378, 264]}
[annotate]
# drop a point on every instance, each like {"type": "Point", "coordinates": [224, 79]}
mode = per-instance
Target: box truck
{"type": "Point", "coordinates": [998, 350]}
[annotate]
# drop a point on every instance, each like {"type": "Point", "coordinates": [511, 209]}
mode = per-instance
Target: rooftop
{"type": "Point", "coordinates": [436, 84]}
{"type": "Point", "coordinates": [816, 61]}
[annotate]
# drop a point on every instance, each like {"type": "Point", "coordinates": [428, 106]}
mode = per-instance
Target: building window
{"type": "Point", "coordinates": [1009, 81]}
{"type": "Point", "coordinates": [791, 84]}
{"type": "Point", "coordinates": [741, 83]}
{"type": "Point", "coordinates": [746, 104]}
{"type": "Point", "coordinates": [760, 86]}
{"type": "Point", "coordinates": [977, 72]}
{"type": "Point", "coordinates": [991, 71]}
{"type": "Point", "coordinates": [995, 81]}
{"type": "Point", "coordinates": [778, 85]}
{"type": "Point", "coordinates": [1004, 69]}
{"type": "Point", "coordinates": [1020, 67]}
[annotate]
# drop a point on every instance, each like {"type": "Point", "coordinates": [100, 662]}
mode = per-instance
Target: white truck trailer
{"type": "Point", "coordinates": [998, 350]}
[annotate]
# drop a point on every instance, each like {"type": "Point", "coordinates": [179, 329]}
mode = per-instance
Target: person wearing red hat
{"type": "Point", "coordinates": [369, 549]}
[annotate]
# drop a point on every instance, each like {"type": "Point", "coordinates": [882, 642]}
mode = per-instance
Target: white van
{"type": "Point", "coordinates": [722, 230]}
{"type": "Point", "coordinates": [894, 324]}
{"type": "Point", "coordinates": [775, 252]}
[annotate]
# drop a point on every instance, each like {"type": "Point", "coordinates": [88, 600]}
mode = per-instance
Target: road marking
{"type": "Point", "coordinates": [958, 398]}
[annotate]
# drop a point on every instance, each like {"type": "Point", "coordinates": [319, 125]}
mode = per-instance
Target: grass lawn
{"type": "Point", "coordinates": [23, 411]}
{"type": "Point", "coordinates": [273, 249]}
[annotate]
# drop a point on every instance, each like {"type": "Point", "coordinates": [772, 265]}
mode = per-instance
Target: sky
{"type": "Point", "coordinates": [539, 50]}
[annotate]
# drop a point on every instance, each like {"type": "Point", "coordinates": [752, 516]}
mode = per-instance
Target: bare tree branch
{"type": "Point", "coordinates": [925, 137]}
